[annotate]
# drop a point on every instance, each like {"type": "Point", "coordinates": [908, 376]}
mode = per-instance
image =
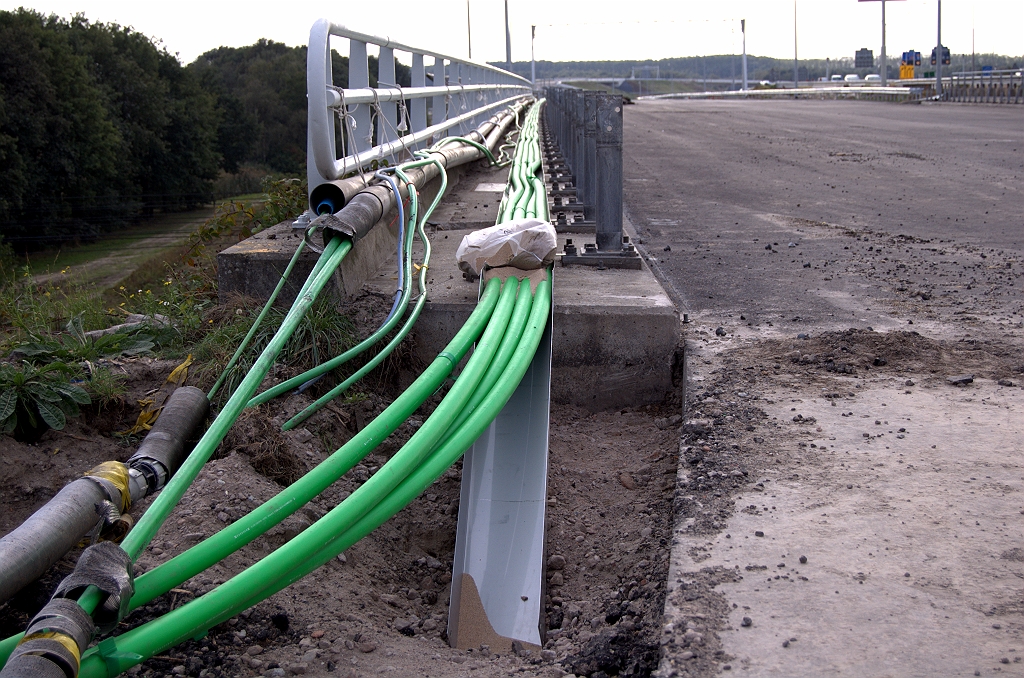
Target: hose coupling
{"type": "Point", "coordinates": [145, 469]}
{"type": "Point", "coordinates": [53, 643]}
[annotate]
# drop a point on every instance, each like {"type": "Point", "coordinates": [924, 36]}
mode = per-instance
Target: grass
{"type": "Point", "coordinates": [174, 277]}
{"type": "Point", "coordinates": [322, 334]}
{"type": "Point", "coordinates": [139, 242]}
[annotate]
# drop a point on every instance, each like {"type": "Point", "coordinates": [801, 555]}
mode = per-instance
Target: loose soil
{"type": "Point", "coordinates": [382, 606]}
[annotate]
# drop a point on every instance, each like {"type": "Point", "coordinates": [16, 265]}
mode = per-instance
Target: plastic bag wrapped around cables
{"type": "Point", "coordinates": [107, 567]}
{"type": "Point", "coordinates": [523, 243]}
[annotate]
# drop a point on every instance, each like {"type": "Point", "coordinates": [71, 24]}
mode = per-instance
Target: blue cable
{"type": "Point", "coordinates": [401, 238]}
{"type": "Point", "coordinates": [401, 261]}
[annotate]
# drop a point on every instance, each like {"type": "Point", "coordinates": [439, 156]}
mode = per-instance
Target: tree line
{"type": "Point", "coordinates": [100, 126]}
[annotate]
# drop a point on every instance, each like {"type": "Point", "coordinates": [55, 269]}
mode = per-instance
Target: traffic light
{"type": "Point", "coordinates": [917, 58]}
{"type": "Point", "coordinates": [933, 56]}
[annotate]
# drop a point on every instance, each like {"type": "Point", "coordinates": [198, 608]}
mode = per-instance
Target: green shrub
{"type": "Point", "coordinates": [282, 199]}
{"type": "Point", "coordinates": [323, 333]}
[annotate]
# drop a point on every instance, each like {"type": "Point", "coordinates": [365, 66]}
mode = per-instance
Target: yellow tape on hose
{"type": "Point", "coordinates": [116, 473]}
{"type": "Point", "coordinates": [67, 641]}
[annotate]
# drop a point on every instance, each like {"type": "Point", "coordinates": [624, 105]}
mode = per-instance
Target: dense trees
{"type": "Point", "coordinates": [99, 126]}
{"type": "Point", "coordinates": [261, 95]}
{"type": "Point", "coordinates": [96, 125]}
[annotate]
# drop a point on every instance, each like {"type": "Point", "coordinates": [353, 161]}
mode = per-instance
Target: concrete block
{"type": "Point", "coordinates": [614, 334]}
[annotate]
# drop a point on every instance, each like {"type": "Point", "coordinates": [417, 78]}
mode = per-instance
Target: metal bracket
{"type": "Point", "coordinates": [626, 258]}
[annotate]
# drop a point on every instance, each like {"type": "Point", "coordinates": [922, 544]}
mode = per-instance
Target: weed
{"type": "Point", "coordinates": [323, 333]}
{"type": "Point", "coordinates": [283, 199]}
{"type": "Point", "coordinates": [33, 399]}
{"type": "Point", "coordinates": [76, 346]}
{"type": "Point", "coordinates": [30, 309]}
{"type": "Point", "coordinates": [107, 388]}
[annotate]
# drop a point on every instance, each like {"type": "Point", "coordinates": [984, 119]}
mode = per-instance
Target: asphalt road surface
{"type": "Point", "coordinates": [718, 181]}
{"type": "Point", "coordinates": [850, 499]}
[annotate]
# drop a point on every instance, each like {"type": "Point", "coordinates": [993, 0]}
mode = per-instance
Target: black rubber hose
{"type": "Point", "coordinates": [48, 534]}
{"type": "Point", "coordinates": [56, 528]}
{"type": "Point", "coordinates": [168, 442]}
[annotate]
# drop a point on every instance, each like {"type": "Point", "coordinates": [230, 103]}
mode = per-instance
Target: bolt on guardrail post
{"type": "Point", "coordinates": [589, 179]}
{"type": "Point", "coordinates": [609, 173]}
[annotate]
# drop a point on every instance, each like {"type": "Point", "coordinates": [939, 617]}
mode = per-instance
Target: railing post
{"type": "Point", "coordinates": [418, 107]}
{"type": "Point", "coordinates": [608, 231]}
{"type": "Point", "coordinates": [578, 118]}
{"type": "Point", "coordinates": [387, 121]}
{"type": "Point", "coordinates": [455, 108]}
{"type": "Point", "coordinates": [359, 77]}
{"type": "Point", "coordinates": [438, 112]}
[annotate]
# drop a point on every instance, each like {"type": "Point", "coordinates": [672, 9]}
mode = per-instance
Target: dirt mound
{"type": "Point", "coordinates": [860, 351]}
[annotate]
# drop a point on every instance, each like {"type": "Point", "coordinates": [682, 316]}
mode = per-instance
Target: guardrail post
{"type": "Point", "coordinates": [438, 109]}
{"type": "Point", "coordinates": [589, 180]}
{"type": "Point", "coordinates": [609, 173]}
{"type": "Point", "coordinates": [359, 77]}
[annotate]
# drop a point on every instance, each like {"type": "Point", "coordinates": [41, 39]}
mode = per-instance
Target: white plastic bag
{"type": "Point", "coordinates": [525, 243]}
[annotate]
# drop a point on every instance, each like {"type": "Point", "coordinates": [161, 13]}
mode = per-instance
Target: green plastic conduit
{"type": "Point", "coordinates": [417, 309]}
{"type": "Point", "coordinates": [231, 597]}
{"type": "Point", "coordinates": [154, 517]}
{"type": "Point", "coordinates": [413, 316]}
{"type": "Point", "coordinates": [325, 539]}
{"type": "Point", "coordinates": [182, 567]}
{"type": "Point", "coordinates": [262, 315]}
{"type": "Point", "coordinates": [353, 352]}
{"type": "Point", "coordinates": [214, 549]}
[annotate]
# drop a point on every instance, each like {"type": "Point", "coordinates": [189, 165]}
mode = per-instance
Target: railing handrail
{"type": "Point", "coordinates": [365, 111]}
{"type": "Point", "coordinates": [341, 31]}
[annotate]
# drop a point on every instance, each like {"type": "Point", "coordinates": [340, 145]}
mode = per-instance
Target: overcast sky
{"type": "Point", "coordinates": [570, 30]}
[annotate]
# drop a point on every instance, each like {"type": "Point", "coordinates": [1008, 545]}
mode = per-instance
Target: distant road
{"type": "Point", "coordinates": [723, 173]}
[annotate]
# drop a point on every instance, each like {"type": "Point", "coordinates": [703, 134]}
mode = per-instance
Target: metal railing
{"type": "Point", "coordinates": [858, 92]}
{"type": "Point", "coordinates": [351, 127]}
{"type": "Point", "coordinates": [985, 87]}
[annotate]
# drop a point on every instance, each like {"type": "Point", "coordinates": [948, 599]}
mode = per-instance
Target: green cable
{"type": "Point", "coordinates": [520, 317]}
{"type": "Point", "coordinates": [324, 538]}
{"type": "Point", "coordinates": [374, 338]}
{"type": "Point", "coordinates": [261, 316]}
{"type": "Point", "coordinates": [155, 516]}
{"type": "Point", "coordinates": [480, 147]}
{"type": "Point", "coordinates": [193, 618]}
{"type": "Point", "coordinates": [417, 309]}
{"type": "Point", "coordinates": [90, 598]}
{"type": "Point", "coordinates": [157, 513]}
{"type": "Point", "coordinates": [214, 549]}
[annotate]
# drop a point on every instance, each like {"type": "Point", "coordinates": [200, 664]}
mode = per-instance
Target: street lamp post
{"type": "Point", "coordinates": [885, 66]}
{"type": "Point", "coordinates": [938, 55]}
{"type": "Point", "coordinates": [743, 29]}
